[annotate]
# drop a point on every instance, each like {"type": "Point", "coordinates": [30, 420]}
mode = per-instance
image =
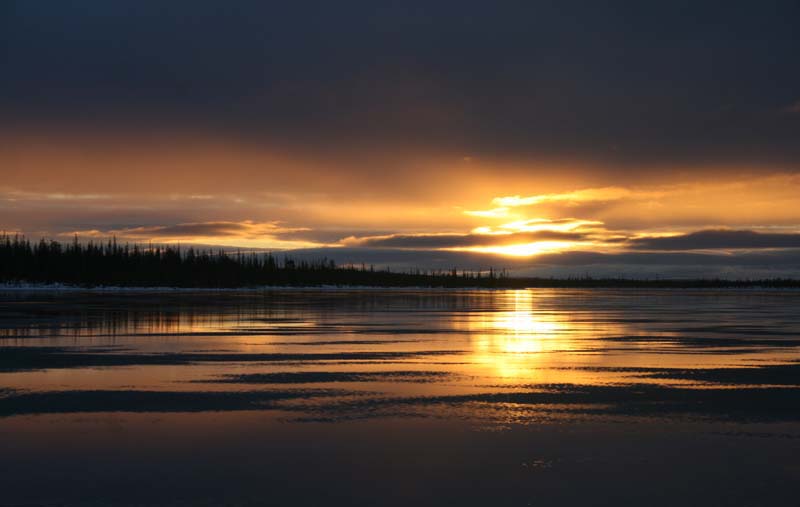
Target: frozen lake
{"type": "Point", "coordinates": [400, 397]}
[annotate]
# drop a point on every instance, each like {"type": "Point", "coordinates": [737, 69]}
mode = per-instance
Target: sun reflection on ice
{"type": "Point", "coordinates": [513, 341]}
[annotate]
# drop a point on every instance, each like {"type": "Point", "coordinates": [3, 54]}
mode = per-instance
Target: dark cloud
{"type": "Point", "coordinates": [782, 258]}
{"type": "Point", "coordinates": [763, 264]}
{"type": "Point", "coordinates": [246, 229]}
{"type": "Point", "coordinates": [423, 241]}
{"type": "Point", "coordinates": [371, 120]}
{"type": "Point", "coordinates": [436, 258]}
{"type": "Point", "coordinates": [190, 230]}
{"type": "Point", "coordinates": [605, 81]}
{"type": "Point", "coordinates": [719, 239]}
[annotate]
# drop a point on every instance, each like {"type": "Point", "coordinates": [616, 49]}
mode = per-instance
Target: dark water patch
{"type": "Point", "coordinates": [62, 402]}
{"type": "Point", "coordinates": [635, 400]}
{"type": "Point", "coordinates": [666, 350]}
{"type": "Point", "coordinates": [40, 358]}
{"type": "Point", "coordinates": [740, 405]}
{"type": "Point", "coordinates": [383, 362]}
{"type": "Point", "coordinates": [342, 329]}
{"type": "Point", "coordinates": [611, 369]}
{"type": "Point", "coordinates": [704, 341]}
{"type": "Point", "coordinates": [784, 374]}
{"type": "Point", "coordinates": [131, 333]}
{"type": "Point", "coordinates": [347, 342]}
{"type": "Point", "coordinates": [29, 334]}
{"type": "Point", "coordinates": [738, 329]}
{"type": "Point", "coordinates": [775, 375]}
{"type": "Point", "coordinates": [313, 377]}
{"type": "Point", "coordinates": [400, 331]}
{"type": "Point", "coordinates": [721, 352]}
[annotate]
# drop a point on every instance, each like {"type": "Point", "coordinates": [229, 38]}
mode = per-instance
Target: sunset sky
{"type": "Point", "coordinates": [549, 138]}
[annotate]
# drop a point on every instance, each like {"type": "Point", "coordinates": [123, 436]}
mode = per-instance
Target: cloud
{"type": "Point", "coordinates": [13, 195]}
{"type": "Point", "coordinates": [243, 233]}
{"type": "Point", "coordinates": [767, 264]}
{"type": "Point", "coordinates": [344, 75]}
{"type": "Point", "coordinates": [759, 264]}
{"type": "Point", "coordinates": [490, 213]}
{"type": "Point", "coordinates": [736, 201]}
{"type": "Point", "coordinates": [441, 241]}
{"type": "Point", "coordinates": [603, 194]}
{"type": "Point", "coordinates": [246, 228]}
{"type": "Point", "coordinates": [543, 224]}
{"type": "Point", "coordinates": [592, 194]}
{"type": "Point", "coordinates": [718, 239]}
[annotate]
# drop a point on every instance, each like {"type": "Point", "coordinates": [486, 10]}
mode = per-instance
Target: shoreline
{"type": "Point", "coordinates": [343, 288]}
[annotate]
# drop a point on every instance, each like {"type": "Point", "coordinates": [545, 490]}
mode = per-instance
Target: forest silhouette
{"type": "Point", "coordinates": [108, 263]}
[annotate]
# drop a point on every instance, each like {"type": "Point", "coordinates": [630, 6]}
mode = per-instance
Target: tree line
{"type": "Point", "coordinates": [109, 263]}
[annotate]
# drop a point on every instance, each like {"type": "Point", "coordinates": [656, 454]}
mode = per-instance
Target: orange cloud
{"type": "Point", "coordinates": [577, 196]}
{"type": "Point", "coordinates": [244, 233]}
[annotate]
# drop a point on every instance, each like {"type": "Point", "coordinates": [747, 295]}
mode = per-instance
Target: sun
{"type": "Point", "coordinates": [524, 249]}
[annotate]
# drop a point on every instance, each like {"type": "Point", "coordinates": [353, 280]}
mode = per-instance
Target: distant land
{"type": "Point", "coordinates": [110, 264]}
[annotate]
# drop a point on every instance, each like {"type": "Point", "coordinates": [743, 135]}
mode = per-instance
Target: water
{"type": "Point", "coordinates": [398, 397]}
